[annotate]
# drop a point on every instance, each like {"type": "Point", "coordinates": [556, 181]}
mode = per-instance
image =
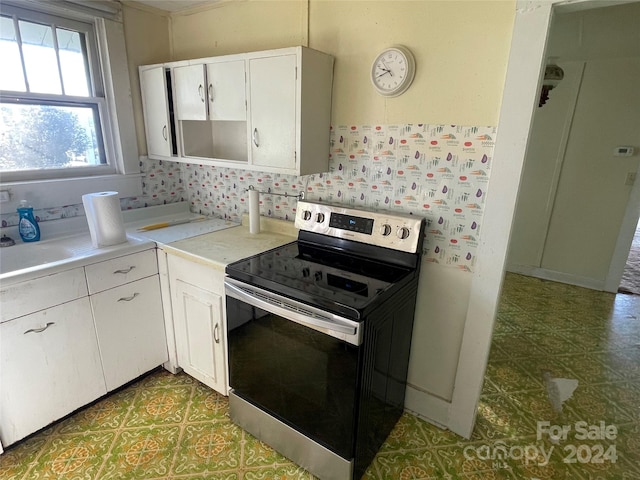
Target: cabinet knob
{"type": "Point", "coordinates": [403, 233]}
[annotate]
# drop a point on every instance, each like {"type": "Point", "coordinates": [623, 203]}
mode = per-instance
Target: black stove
{"type": "Point", "coordinates": [341, 282]}
{"type": "Point", "coordinates": [319, 333]}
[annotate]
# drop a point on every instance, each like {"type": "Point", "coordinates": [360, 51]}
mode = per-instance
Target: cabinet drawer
{"type": "Point", "coordinates": [104, 275]}
{"type": "Point", "coordinates": [130, 326]}
{"type": "Point", "coordinates": [27, 297]}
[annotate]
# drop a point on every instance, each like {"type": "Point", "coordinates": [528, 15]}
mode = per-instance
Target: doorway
{"type": "Point", "coordinates": [519, 101]}
{"type": "Point", "coordinates": [630, 282]}
{"type": "Point", "coordinates": [574, 219]}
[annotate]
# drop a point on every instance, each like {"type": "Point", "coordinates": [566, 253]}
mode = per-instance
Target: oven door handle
{"type": "Point", "coordinates": [288, 308]}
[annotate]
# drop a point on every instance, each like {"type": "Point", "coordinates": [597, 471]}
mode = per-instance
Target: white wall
{"type": "Point", "coordinates": [573, 195]}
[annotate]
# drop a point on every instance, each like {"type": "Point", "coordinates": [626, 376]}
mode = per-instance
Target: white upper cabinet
{"type": "Point", "coordinates": [268, 111]}
{"type": "Point", "coordinates": [156, 108]}
{"type": "Point", "coordinates": [190, 92]}
{"type": "Point", "coordinates": [273, 112]}
{"type": "Point", "coordinates": [226, 91]}
{"type": "Point", "coordinates": [218, 95]}
{"type": "Point", "coordinates": [290, 110]}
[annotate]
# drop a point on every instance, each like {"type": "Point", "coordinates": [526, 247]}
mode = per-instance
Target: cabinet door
{"type": "Point", "coordinates": [190, 92]}
{"type": "Point", "coordinates": [273, 111]}
{"type": "Point", "coordinates": [156, 111]}
{"type": "Point", "coordinates": [50, 366]}
{"type": "Point", "coordinates": [226, 91]}
{"type": "Point", "coordinates": [130, 328]}
{"type": "Point", "coordinates": [199, 329]}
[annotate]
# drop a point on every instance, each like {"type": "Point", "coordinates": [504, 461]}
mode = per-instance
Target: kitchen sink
{"type": "Point", "coordinates": [26, 255]}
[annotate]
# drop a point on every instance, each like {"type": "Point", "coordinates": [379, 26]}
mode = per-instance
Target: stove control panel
{"type": "Point", "coordinates": [384, 229]}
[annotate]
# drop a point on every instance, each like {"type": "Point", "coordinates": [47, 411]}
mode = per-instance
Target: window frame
{"type": "Point", "coordinates": [96, 99]}
{"type": "Point", "coordinates": [118, 124]}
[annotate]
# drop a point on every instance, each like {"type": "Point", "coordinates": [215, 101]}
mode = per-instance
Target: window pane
{"type": "Point", "coordinates": [72, 62]}
{"type": "Point", "coordinates": [48, 136]}
{"type": "Point", "coordinates": [11, 76]}
{"type": "Point", "coordinates": [40, 58]}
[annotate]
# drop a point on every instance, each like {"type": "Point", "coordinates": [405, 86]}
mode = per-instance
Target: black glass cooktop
{"type": "Point", "coordinates": [340, 282]}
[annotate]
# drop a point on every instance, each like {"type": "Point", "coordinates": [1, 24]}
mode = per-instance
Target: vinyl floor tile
{"type": "Point", "coordinates": [171, 427]}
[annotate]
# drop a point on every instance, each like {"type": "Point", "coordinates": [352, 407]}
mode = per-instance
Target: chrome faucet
{"type": "Point", "coordinates": [6, 241]}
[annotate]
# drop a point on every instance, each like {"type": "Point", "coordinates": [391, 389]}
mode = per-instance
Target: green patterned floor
{"type": "Point", "coordinates": [172, 427]}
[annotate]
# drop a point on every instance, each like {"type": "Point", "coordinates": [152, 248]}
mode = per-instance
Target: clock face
{"type": "Point", "coordinates": [392, 71]}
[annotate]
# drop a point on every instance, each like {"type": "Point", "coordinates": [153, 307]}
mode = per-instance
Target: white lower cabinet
{"type": "Point", "coordinates": [130, 328]}
{"type": "Point", "coordinates": [197, 297]}
{"type": "Point", "coordinates": [68, 338]}
{"type": "Point", "coordinates": [50, 366]}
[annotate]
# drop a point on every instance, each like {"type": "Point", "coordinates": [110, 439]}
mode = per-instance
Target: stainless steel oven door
{"type": "Point", "coordinates": [297, 363]}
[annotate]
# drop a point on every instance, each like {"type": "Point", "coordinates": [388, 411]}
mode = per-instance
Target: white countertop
{"type": "Point", "coordinates": [210, 241]}
{"type": "Point", "coordinates": [199, 225]}
{"type": "Point", "coordinates": [67, 244]}
{"type": "Point", "coordinates": [218, 249]}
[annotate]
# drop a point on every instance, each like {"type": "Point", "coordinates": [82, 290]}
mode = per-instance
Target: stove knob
{"type": "Point", "coordinates": [306, 215]}
{"type": "Point", "coordinates": [320, 217]}
{"type": "Point", "coordinates": [403, 232]}
{"type": "Point", "coordinates": [385, 230]}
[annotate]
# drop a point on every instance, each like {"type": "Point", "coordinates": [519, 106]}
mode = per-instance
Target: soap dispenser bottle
{"type": "Point", "coordinates": [27, 223]}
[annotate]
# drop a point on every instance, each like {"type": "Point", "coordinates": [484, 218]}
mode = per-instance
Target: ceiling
{"type": "Point", "coordinates": [174, 5]}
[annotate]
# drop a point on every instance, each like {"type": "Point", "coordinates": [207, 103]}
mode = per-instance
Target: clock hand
{"type": "Point", "coordinates": [386, 68]}
{"type": "Point", "coordinates": [385, 72]}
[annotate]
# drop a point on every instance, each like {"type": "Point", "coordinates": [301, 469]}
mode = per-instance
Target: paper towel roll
{"type": "Point", "coordinates": [254, 211]}
{"type": "Point", "coordinates": [104, 218]}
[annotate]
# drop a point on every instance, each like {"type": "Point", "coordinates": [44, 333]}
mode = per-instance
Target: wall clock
{"type": "Point", "coordinates": [393, 70]}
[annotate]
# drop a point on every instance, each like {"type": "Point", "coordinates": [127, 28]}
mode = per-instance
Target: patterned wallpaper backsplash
{"type": "Point", "coordinates": [438, 171]}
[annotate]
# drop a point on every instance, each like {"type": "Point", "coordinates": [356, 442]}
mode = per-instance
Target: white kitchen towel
{"type": "Point", "coordinates": [104, 217]}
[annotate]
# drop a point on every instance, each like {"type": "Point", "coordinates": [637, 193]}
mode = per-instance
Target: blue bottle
{"type": "Point", "coordinates": [27, 223]}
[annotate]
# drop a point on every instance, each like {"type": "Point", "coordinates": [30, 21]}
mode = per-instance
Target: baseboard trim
{"type": "Point", "coordinates": [561, 277]}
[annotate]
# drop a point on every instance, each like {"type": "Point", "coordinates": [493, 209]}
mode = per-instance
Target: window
{"type": "Point", "coordinates": [53, 111]}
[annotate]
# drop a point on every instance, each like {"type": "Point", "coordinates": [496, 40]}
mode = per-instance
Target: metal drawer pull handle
{"type": "Point", "coordinates": [211, 92]}
{"type": "Point", "coordinates": [39, 330]}
{"type": "Point", "coordinates": [128, 299]}
{"type": "Point", "coordinates": [216, 333]}
{"type": "Point", "coordinates": [256, 140]}
{"type": "Point", "coordinates": [201, 92]}
{"type": "Point", "coordinates": [124, 271]}
{"type": "Point", "coordinates": [164, 132]}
